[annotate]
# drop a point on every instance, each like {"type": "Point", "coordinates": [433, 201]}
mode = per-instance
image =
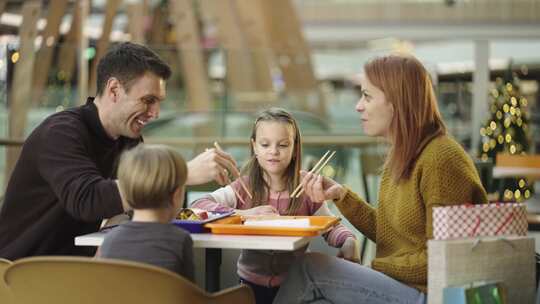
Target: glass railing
{"type": "Point", "coordinates": [325, 110]}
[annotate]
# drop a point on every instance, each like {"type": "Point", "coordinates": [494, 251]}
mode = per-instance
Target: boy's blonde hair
{"type": "Point", "coordinates": [150, 174]}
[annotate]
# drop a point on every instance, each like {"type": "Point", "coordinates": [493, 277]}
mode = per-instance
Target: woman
{"type": "Point", "coordinates": [424, 168]}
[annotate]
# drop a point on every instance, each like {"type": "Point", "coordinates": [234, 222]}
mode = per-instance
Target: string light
{"type": "Point", "coordinates": [15, 57]}
{"type": "Point", "coordinates": [513, 101]}
{"type": "Point", "coordinates": [507, 122]}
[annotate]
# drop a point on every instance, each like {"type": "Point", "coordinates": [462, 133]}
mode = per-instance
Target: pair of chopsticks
{"type": "Point", "coordinates": [218, 147]}
{"type": "Point", "coordinates": [316, 169]}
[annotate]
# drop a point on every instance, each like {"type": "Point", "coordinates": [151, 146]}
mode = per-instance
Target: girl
{"type": "Point", "coordinates": [151, 179]}
{"type": "Point", "coordinates": [271, 174]}
{"type": "Point", "coordinates": [425, 168]}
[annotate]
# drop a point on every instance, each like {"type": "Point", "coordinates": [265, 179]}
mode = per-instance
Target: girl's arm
{"type": "Point", "coordinates": [221, 200]}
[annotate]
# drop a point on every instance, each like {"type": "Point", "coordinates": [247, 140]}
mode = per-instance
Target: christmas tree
{"type": "Point", "coordinates": [507, 131]}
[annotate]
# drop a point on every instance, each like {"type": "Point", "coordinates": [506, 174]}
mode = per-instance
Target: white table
{"type": "Point", "coordinates": [223, 241]}
{"type": "Point", "coordinates": [213, 243]}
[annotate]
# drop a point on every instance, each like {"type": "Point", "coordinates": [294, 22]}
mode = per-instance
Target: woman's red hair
{"type": "Point", "coordinates": [407, 86]}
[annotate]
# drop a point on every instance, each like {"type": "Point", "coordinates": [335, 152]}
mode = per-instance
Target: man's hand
{"type": "Point", "coordinates": [349, 250]}
{"type": "Point", "coordinates": [210, 165]}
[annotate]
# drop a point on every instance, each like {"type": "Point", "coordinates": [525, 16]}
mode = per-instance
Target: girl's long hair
{"type": "Point", "coordinates": [259, 188]}
{"type": "Point", "coordinates": [407, 86]}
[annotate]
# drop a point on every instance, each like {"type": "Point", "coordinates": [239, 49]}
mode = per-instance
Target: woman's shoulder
{"type": "Point", "coordinates": [443, 150]}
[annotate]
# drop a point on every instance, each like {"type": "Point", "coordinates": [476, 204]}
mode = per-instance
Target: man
{"type": "Point", "coordinates": [63, 183]}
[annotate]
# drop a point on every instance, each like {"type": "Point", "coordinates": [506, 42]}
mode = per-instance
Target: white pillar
{"type": "Point", "coordinates": [480, 91]}
{"type": "Point", "coordinates": [83, 45]}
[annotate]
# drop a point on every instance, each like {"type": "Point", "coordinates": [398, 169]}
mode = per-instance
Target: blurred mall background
{"type": "Point", "coordinates": [231, 58]}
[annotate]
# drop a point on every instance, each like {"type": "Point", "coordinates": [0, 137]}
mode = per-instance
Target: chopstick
{"type": "Point", "coordinates": [238, 196]}
{"type": "Point", "coordinates": [316, 169]}
{"type": "Point", "coordinates": [239, 177]}
{"type": "Point", "coordinates": [317, 172]}
{"type": "Point", "coordinates": [312, 170]}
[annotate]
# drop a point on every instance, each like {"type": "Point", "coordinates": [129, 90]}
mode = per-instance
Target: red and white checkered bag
{"type": "Point", "coordinates": [464, 221]}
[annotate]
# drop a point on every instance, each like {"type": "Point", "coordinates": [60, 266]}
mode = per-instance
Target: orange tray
{"type": "Point", "coordinates": [234, 225]}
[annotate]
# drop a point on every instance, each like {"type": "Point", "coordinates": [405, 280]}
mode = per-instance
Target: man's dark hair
{"type": "Point", "coordinates": [128, 61]}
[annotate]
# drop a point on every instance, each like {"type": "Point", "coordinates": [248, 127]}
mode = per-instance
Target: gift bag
{"type": "Point", "coordinates": [463, 221]}
{"type": "Point", "coordinates": [476, 293]}
{"type": "Point", "coordinates": [509, 260]}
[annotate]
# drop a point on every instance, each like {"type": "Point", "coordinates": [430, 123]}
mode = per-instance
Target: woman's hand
{"type": "Point", "coordinates": [259, 210]}
{"type": "Point", "coordinates": [320, 188]}
{"type": "Point", "coordinates": [212, 164]}
{"type": "Point", "coordinates": [349, 250]}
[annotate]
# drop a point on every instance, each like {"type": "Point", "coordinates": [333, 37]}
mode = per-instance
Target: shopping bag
{"type": "Point", "coordinates": [475, 293]}
{"type": "Point", "coordinates": [509, 260]}
{"type": "Point", "coordinates": [463, 221]}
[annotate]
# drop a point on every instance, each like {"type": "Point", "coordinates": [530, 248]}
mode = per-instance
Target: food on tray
{"type": "Point", "coordinates": [192, 214]}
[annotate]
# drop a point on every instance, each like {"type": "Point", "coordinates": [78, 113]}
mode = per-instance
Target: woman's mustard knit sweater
{"type": "Point", "coordinates": [401, 224]}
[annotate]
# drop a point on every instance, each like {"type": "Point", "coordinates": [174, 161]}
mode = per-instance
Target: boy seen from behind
{"type": "Point", "coordinates": [152, 181]}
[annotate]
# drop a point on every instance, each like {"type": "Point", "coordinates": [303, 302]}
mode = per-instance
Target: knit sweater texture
{"type": "Point", "coordinates": [401, 224]}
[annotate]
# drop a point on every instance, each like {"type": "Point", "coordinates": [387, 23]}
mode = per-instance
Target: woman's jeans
{"type": "Point", "coordinates": [319, 278]}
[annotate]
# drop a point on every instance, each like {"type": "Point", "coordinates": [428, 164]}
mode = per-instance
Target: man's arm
{"type": "Point", "coordinates": [64, 162]}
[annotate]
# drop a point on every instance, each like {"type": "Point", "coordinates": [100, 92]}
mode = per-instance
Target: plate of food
{"type": "Point", "coordinates": [193, 219]}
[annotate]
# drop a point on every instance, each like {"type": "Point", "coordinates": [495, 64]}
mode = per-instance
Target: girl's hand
{"type": "Point", "coordinates": [259, 210]}
{"type": "Point", "coordinates": [349, 250]}
{"type": "Point", "coordinates": [320, 188]}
